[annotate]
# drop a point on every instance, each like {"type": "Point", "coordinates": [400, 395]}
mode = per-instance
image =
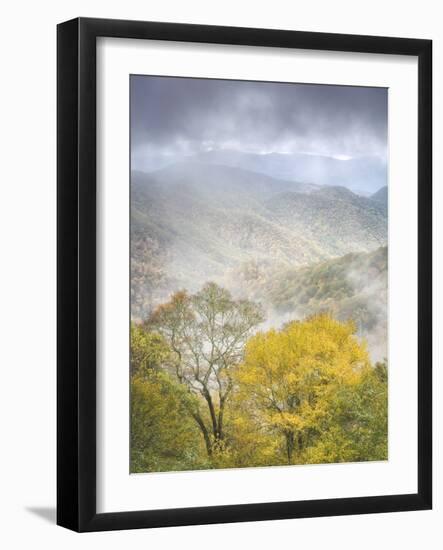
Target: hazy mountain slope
{"type": "Point", "coordinates": [334, 217]}
{"type": "Point", "coordinates": [353, 286]}
{"type": "Point", "coordinates": [334, 283]}
{"type": "Point", "coordinates": [192, 222]}
{"type": "Point", "coordinates": [381, 195]}
{"type": "Point", "coordinates": [225, 181]}
{"type": "Point", "coordinates": [362, 174]}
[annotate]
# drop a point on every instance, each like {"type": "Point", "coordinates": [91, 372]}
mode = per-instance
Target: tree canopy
{"type": "Point", "coordinates": [206, 333]}
{"type": "Point", "coordinates": [210, 390]}
{"type": "Point", "coordinates": [302, 381]}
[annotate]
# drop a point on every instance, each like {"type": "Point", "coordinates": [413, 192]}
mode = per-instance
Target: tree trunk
{"type": "Point", "coordinates": [204, 431]}
{"type": "Point", "coordinates": [208, 398]}
{"type": "Point", "coordinates": [289, 446]}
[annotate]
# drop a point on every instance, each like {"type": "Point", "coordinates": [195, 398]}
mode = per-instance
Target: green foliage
{"type": "Point", "coordinates": [149, 352]}
{"type": "Point", "coordinates": [356, 429]}
{"type": "Point", "coordinates": [163, 435]}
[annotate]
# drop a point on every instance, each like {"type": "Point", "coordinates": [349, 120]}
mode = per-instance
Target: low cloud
{"type": "Point", "coordinates": [184, 116]}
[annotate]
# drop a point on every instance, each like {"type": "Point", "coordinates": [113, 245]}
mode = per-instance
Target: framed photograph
{"type": "Point", "coordinates": [244, 274]}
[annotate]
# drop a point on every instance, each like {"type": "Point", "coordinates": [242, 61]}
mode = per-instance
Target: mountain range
{"type": "Point", "coordinates": [363, 175]}
{"type": "Point", "coordinates": [193, 221]}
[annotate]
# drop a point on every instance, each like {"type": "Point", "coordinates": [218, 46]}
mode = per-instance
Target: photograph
{"type": "Point", "coordinates": [258, 274]}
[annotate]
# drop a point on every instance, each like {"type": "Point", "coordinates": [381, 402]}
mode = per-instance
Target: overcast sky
{"type": "Point", "coordinates": [182, 116]}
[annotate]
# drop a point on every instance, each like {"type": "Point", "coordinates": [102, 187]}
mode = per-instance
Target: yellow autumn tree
{"type": "Point", "coordinates": [290, 378]}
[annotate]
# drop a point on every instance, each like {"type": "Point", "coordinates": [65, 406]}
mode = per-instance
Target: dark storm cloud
{"type": "Point", "coordinates": [171, 116]}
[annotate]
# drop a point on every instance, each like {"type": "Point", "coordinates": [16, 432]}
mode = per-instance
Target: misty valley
{"type": "Point", "coordinates": [295, 248]}
{"type": "Point", "coordinates": [259, 314]}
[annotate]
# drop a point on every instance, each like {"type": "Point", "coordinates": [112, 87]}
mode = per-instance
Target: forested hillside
{"type": "Point", "coordinates": [353, 286]}
{"type": "Point", "coordinates": [191, 223]}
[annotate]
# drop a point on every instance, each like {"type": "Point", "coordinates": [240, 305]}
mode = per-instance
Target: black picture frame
{"type": "Point", "coordinates": [76, 280]}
